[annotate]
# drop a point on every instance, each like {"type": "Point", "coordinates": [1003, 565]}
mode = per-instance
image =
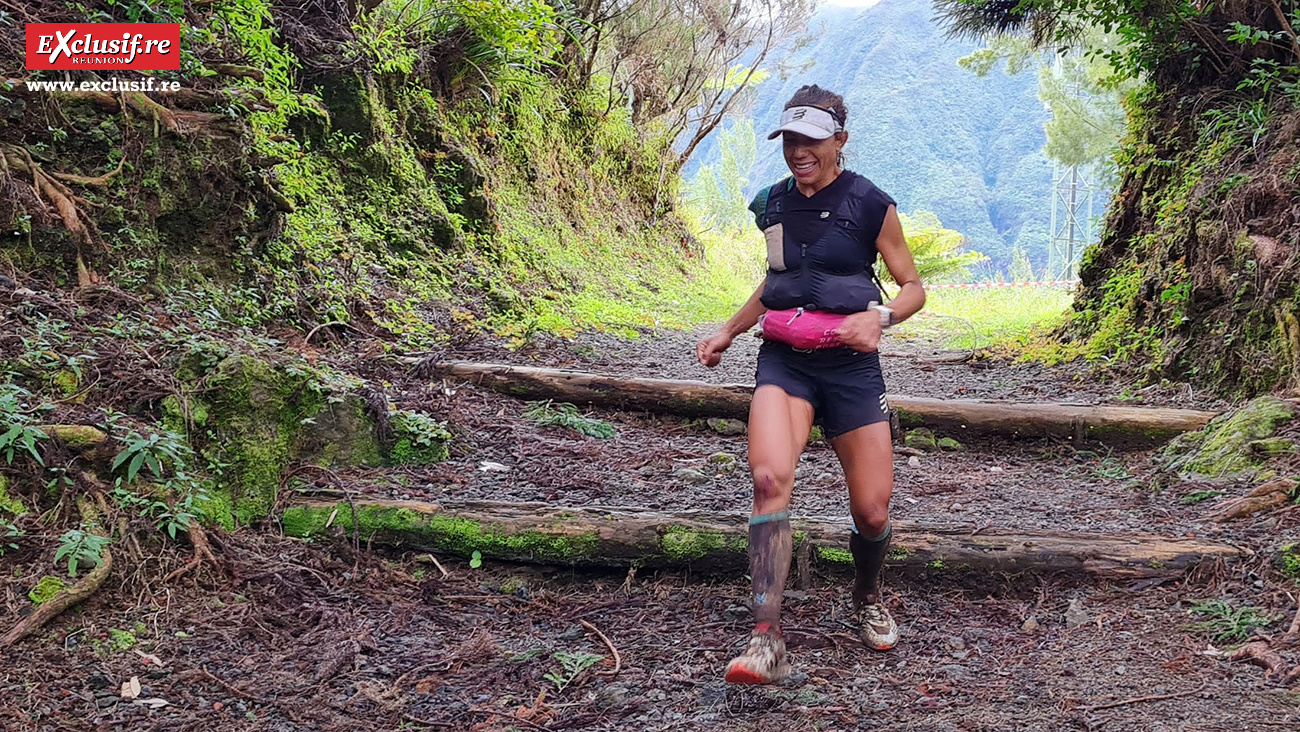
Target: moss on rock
{"type": "Point", "coordinates": [9, 504]}
{"type": "Point", "coordinates": [951, 445]}
{"type": "Point", "coordinates": [174, 415]}
{"type": "Point", "coordinates": [266, 416]}
{"type": "Point", "coordinates": [217, 507]}
{"type": "Point", "coordinates": [339, 433]}
{"type": "Point", "coordinates": [1223, 448]}
{"type": "Point", "coordinates": [1273, 446]}
{"type": "Point", "coordinates": [920, 439]}
{"type": "Point", "coordinates": [76, 436]}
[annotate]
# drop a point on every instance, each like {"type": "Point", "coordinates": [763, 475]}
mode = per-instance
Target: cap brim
{"type": "Point", "coordinates": [807, 129]}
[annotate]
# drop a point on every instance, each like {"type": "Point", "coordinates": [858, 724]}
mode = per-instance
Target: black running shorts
{"type": "Point", "coordinates": [845, 387]}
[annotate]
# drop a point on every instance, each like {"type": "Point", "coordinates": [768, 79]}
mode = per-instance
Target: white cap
{"type": "Point", "coordinates": [813, 122]}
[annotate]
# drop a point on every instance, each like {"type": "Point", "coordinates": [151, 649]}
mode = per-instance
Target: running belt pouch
{"type": "Point", "coordinates": [803, 329]}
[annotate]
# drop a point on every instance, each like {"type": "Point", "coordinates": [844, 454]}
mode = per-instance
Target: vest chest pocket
{"type": "Point", "coordinates": [775, 237]}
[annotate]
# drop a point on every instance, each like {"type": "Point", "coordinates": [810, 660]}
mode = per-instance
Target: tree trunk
{"type": "Point", "coordinates": [958, 416]}
{"type": "Point", "coordinates": [705, 540]}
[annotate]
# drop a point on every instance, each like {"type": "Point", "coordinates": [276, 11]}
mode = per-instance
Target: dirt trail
{"type": "Point", "coordinates": [294, 636]}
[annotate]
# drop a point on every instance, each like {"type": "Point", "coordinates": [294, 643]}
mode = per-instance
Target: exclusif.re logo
{"type": "Point", "coordinates": [74, 46]}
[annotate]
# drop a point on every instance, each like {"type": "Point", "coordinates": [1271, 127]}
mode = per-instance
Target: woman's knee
{"type": "Point", "coordinates": [871, 519]}
{"type": "Point", "coordinates": [772, 486]}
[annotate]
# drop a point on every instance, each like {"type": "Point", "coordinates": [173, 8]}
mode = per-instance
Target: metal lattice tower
{"type": "Point", "coordinates": [1072, 218]}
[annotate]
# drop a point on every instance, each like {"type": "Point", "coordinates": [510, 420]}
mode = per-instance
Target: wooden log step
{"type": "Point", "coordinates": [1125, 425]}
{"type": "Point", "coordinates": [707, 540]}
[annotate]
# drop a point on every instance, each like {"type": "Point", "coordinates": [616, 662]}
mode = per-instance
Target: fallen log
{"type": "Point", "coordinates": [706, 540]}
{"type": "Point", "coordinates": [702, 399]}
{"type": "Point", "coordinates": [68, 596]}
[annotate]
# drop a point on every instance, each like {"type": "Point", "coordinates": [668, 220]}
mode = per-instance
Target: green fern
{"type": "Point", "coordinates": [1226, 623]}
{"type": "Point", "coordinates": [566, 415]}
{"type": "Point", "coordinates": [571, 664]}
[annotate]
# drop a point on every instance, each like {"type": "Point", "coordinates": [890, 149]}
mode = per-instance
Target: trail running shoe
{"type": "Point", "coordinates": [879, 631]}
{"type": "Point", "coordinates": [763, 662]}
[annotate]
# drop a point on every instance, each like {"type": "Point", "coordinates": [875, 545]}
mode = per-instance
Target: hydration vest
{"type": "Point", "coordinates": [835, 273]}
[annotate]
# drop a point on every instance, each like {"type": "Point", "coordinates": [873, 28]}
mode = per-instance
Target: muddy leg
{"type": "Point", "coordinates": [770, 546]}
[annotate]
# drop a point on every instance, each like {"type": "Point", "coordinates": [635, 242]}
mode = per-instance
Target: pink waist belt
{"type": "Point", "coordinates": [802, 329]}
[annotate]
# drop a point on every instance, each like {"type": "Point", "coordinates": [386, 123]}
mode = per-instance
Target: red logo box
{"type": "Point", "coordinates": [73, 46]}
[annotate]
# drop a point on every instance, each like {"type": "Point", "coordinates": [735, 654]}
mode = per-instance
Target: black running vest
{"type": "Point", "coordinates": [834, 272]}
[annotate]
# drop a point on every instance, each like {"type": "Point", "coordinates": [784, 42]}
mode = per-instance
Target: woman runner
{"type": "Point", "coordinates": [824, 227]}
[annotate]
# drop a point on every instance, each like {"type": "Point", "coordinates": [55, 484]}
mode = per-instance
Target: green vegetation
{"type": "Point", "coordinates": [833, 555]}
{"type": "Point", "coordinates": [1174, 284]}
{"type": "Point", "coordinates": [122, 640]}
{"type": "Point", "coordinates": [920, 438]}
{"type": "Point", "coordinates": [457, 536]}
{"type": "Point", "coordinates": [46, 588]}
{"type": "Point", "coordinates": [571, 665]}
{"type": "Point", "coordinates": [1225, 623]}
{"type": "Point", "coordinates": [419, 439]}
{"type": "Point", "coordinates": [687, 545]}
{"type": "Point", "coordinates": [8, 504]}
{"type": "Point", "coordinates": [1199, 496]}
{"type": "Point", "coordinates": [566, 415]}
{"type": "Point", "coordinates": [978, 318]}
{"type": "Point", "coordinates": [80, 548]}
{"type": "Point", "coordinates": [1290, 561]}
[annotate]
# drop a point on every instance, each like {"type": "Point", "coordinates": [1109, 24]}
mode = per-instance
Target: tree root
{"type": "Point", "coordinates": [202, 551]}
{"type": "Point", "coordinates": [241, 72]}
{"type": "Point", "coordinates": [67, 597]}
{"type": "Point", "coordinates": [69, 206]}
{"type": "Point", "coordinates": [99, 180]}
{"type": "Point", "coordinates": [1259, 653]}
{"type": "Point", "coordinates": [178, 122]}
{"type": "Point", "coordinates": [1266, 497]}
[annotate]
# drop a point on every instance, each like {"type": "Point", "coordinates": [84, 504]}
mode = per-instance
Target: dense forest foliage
{"type": "Point", "coordinates": [1196, 274]}
{"type": "Point", "coordinates": [402, 168]}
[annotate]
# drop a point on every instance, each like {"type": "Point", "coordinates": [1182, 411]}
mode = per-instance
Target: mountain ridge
{"type": "Point", "coordinates": [966, 148]}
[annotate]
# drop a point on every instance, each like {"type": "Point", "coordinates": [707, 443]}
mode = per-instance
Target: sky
{"type": "Point", "coordinates": [852, 3]}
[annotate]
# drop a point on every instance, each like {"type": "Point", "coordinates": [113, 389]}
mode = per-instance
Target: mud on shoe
{"type": "Point", "coordinates": [879, 631]}
{"type": "Point", "coordinates": [763, 662]}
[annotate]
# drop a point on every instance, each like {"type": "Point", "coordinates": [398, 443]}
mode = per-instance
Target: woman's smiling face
{"type": "Point", "coordinates": [814, 163]}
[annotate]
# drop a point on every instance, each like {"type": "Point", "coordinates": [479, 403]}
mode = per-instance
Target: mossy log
{"type": "Point", "coordinates": [77, 436]}
{"type": "Point", "coordinates": [67, 596]}
{"type": "Point", "coordinates": [701, 399]}
{"type": "Point", "coordinates": [703, 540]}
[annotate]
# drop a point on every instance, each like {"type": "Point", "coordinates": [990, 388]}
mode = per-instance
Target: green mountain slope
{"type": "Point", "coordinates": [934, 136]}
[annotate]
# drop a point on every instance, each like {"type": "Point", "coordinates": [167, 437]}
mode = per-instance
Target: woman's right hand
{"type": "Point", "coordinates": [709, 351]}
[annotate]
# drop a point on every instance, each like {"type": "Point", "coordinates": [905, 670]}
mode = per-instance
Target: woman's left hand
{"type": "Point", "coordinates": [861, 331]}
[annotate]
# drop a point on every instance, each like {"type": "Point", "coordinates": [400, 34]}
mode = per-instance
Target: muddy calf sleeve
{"type": "Point", "coordinates": [770, 546]}
{"type": "Point", "coordinates": [868, 561]}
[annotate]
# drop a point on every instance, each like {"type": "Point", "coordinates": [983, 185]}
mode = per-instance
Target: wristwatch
{"type": "Point", "coordinates": [886, 315]}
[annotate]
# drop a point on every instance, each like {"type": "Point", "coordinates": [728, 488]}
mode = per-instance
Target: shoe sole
{"type": "Point", "coordinates": [740, 674]}
{"type": "Point", "coordinates": [878, 645]}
